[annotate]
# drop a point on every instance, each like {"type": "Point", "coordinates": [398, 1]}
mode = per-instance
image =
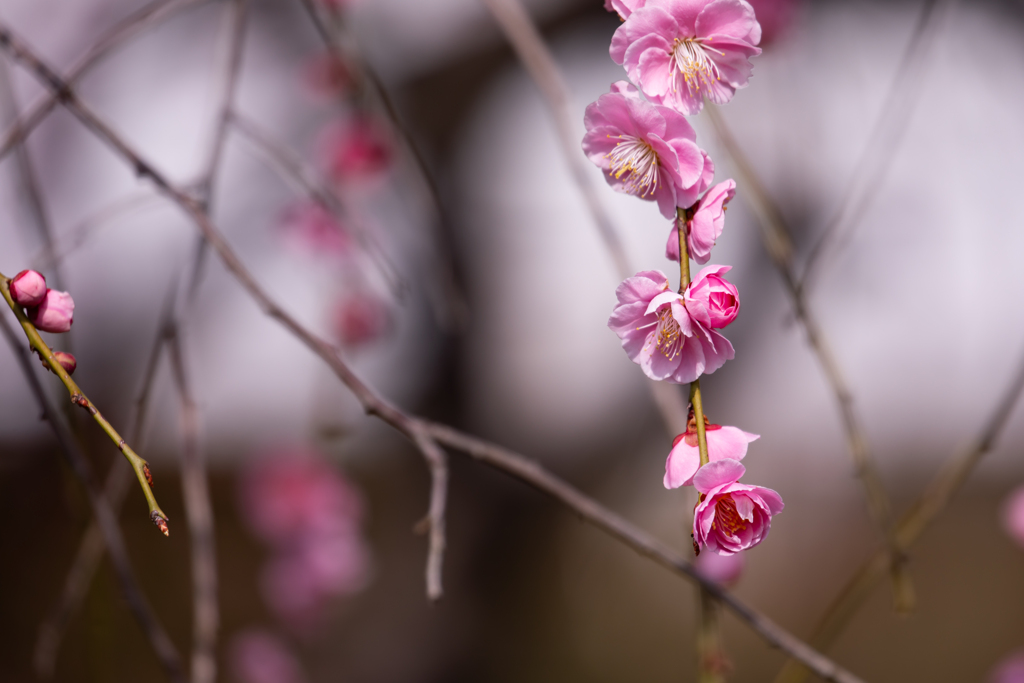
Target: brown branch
{"type": "Point", "coordinates": [104, 515]}
{"type": "Point", "coordinates": [414, 427]}
{"type": "Point", "coordinates": [434, 522]}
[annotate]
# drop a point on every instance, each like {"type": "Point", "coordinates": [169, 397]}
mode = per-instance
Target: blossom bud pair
{"type": "Point", "coordinates": [48, 309]}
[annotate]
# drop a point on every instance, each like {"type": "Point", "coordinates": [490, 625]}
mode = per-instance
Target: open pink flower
{"type": "Point", "coordinates": [660, 335]}
{"type": "Point", "coordinates": [623, 7]}
{"type": "Point", "coordinates": [712, 299]}
{"type": "Point", "coordinates": [1013, 515]}
{"type": "Point", "coordinates": [731, 516]}
{"type": "Point", "coordinates": [28, 288]}
{"type": "Point", "coordinates": [646, 150]}
{"type": "Point", "coordinates": [680, 51]}
{"type": "Point", "coordinates": [684, 459]}
{"type": "Point", "coordinates": [55, 313]}
{"type": "Point", "coordinates": [705, 226]}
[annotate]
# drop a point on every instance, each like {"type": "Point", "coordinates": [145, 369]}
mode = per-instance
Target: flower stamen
{"type": "Point", "coordinates": [691, 62]}
{"type": "Point", "coordinates": [636, 157]}
{"type": "Point", "coordinates": [727, 517]}
{"type": "Point", "coordinates": [668, 337]}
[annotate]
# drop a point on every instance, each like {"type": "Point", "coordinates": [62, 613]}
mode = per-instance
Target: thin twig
{"type": "Point", "coordinates": [434, 522]}
{"type": "Point", "coordinates": [374, 404]}
{"type": "Point", "coordinates": [950, 478]}
{"type": "Point", "coordinates": [90, 550]}
{"type": "Point", "coordinates": [775, 237]}
{"type": "Point", "coordinates": [104, 515]}
{"type": "Point", "coordinates": [886, 135]}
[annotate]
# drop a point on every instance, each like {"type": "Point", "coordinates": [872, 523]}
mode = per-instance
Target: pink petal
{"type": "Point", "coordinates": [729, 442]}
{"type": "Point", "coordinates": [731, 18]}
{"type": "Point", "coordinates": [718, 473]}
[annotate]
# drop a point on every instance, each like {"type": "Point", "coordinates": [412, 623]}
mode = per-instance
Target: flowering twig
{"type": "Point", "coordinates": [912, 525]}
{"type": "Point", "coordinates": [413, 427]}
{"type": "Point", "coordinates": [104, 515]}
{"type": "Point", "coordinates": [776, 240]}
{"type": "Point", "coordinates": [140, 466]}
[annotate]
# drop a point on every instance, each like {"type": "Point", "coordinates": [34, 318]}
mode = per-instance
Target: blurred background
{"type": "Point", "coordinates": [456, 265]}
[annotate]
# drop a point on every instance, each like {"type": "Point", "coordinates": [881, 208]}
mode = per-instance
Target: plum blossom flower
{"type": "Point", "coordinates": [646, 150]}
{"type": "Point", "coordinates": [731, 516]}
{"type": "Point", "coordinates": [680, 51]}
{"type": "Point", "coordinates": [1013, 515]}
{"type": "Point", "coordinates": [623, 7]}
{"type": "Point", "coordinates": [326, 75]}
{"type": "Point", "coordinates": [360, 318]}
{"type": "Point", "coordinates": [28, 288]}
{"type": "Point", "coordinates": [311, 226]}
{"type": "Point", "coordinates": [55, 313]}
{"type": "Point", "coordinates": [684, 459]}
{"type": "Point", "coordinates": [705, 225]}
{"type": "Point", "coordinates": [659, 333]}
{"type": "Point", "coordinates": [712, 299]}
{"type": "Point", "coordinates": [358, 149]}
{"type": "Point", "coordinates": [258, 656]}
{"type": "Point", "coordinates": [725, 570]}
{"type": "Point", "coordinates": [1009, 670]}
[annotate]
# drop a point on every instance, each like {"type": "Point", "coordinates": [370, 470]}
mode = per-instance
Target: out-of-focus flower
{"type": "Point", "coordinates": [55, 313]}
{"type": "Point", "coordinates": [359, 149]}
{"type": "Point", "coordinates": [311, 226]}
{"type": "Point", "coordinates": [680, 51]}
{"type": "Point", "coordinates": [659, 334]}
{"type": "Point", "coordinates": [684, 459]}
{"type": "Point", "coordinates": [1013, 515]}
{"type": "Point", "coordinates": [711, 299]}
{"type": "Point", "coordinates": [623, 7]}
{"type": "Point", "coordinates": [28, 288]}
{"type": "Point", "coordinates": [258, 656]}
{"type": "Point", "coordinates": [725, 570]}
{"type": "Point", "coordinates": [360, 318]}
{"type": "Point", "coordinates": [732, 516]}
{"type": "Point", "coordinates": [327, 75]}
{"type": "Point", "coordinates": [646, 150]}
{"type": "Point", "coordinates": [1010, 670]}
{"type": "Point", "coordinates": [775, 17]}
{"type": "Point", "coordinates": [705, 227]}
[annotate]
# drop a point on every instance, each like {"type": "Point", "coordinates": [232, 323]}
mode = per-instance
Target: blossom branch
{"type": "Point", "coordinates": [775, 237]}
{"type": "Point", "coordinates": [950, 478]}
{"type": "Point", "coordinates": [503, 459]}
{"type": "Point", "coordinates": [434, 522]}
{"type": "Point", "coordinates": [90, 549]}
{"type": "Point", "coordinates": [140, 466]}
{"type": "Point", "coordinates": [104, 515]}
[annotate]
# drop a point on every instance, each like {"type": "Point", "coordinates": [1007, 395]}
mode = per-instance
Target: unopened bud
{"type": "Point", "coordinates": [66, 360]}
{"type": "Point", "coordinates": [55, 313]}
{"type": "Point", "coordinates": [161, 522]}
{"type": "Point", "coordinates": [28, 288]}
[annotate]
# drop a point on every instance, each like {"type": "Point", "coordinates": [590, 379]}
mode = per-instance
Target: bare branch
{"type": "Point", "coordinates": [374, 404]}
{"type": "Point", "coordinates": [434, 522]}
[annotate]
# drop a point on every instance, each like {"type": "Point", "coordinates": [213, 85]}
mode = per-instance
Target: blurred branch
{"type": "Point", "coordinates": [434, 522]}
{"type": "Point", "coordinates": [884, 140]}
{"type": "Point", "coordinates": [199, 511]}
{"type": "Point", "coordinates": [90, 550]}
{"type": "Point", "coordinates": [140, 466]}
{"type": "Point", "coordinates": [104, 515]}
{"type": "Point", "coordinates": [417, 429]}
{"type": "Point", "coordinates": [912, 525]}
{"type": "Point", "coordinates": [775, 236]}
{"type": "Point", "coordinates": [146, 17]}
{"type": "Point", "coordinates": [540, 64]}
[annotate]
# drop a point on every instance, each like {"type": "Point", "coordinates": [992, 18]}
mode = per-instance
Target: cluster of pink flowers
{"type": "Point", "coordinates": [310, 517]}
{"type": "Point", "coordinates": [677, 54]}
{"type": "Point", "coordinates": [47, 309]}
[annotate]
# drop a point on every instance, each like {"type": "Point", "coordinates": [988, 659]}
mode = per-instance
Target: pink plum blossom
{"type": "Point", "coordinates": [311, 226]}
{"type": "Point", "coordinates": [358, 149]}
{"type": "Point", "coordinates": [684, 459]}
{"type": "Point", "coordinates": [28, 288]}
{"type": "Point", "coordinates": [725, 570]}
{"type": "Point", "coordinates": [55, 313]}
{"type": "Point", "coordinates": [646, 150]}
{"type": "Point", "coordinates": [731, 516]}
{"type": "Point", "coordinates": [258, 656]}
{"type": "Point", "coordinates": [360, 318]}
{"type": "Point", "coordinates": [680, 51]}
{"type": "Point", "coordinates": [704, 226]}
{"type": "Point", "coordinates": [1009, 670]}
{"type": "Point", "coordinates": [623, 7]}
{"type": "Point", "coordinates": [660, 335]}
{"type": "Point", "coordinates": [1013, 515]}
{"type": "Point", "coordinates": [711, 299]}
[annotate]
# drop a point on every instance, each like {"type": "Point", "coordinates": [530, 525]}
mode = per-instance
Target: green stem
{"type": "Point", "coordinates": [698, 414]}
{"type": "Point", "coordinates": [682, 220]}
{"type": "Point", "coordinates": [79, 398]}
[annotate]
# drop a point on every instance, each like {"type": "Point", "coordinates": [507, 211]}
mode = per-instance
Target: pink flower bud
{"type": "Point", "coordinates": [725, 570]}
{"type": "Point", "coordinates": [55, 313]}
{"type": "Point", "coordinates": [66, 360]}
{"type": "Point", "coordinates": [28, 288]}
{"type": "Point", "coordinates": [711, 299]}
{"type": "Point", "coordinates": [359, 149]}
{"type": "Point", "coordinates": [361, 319]}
